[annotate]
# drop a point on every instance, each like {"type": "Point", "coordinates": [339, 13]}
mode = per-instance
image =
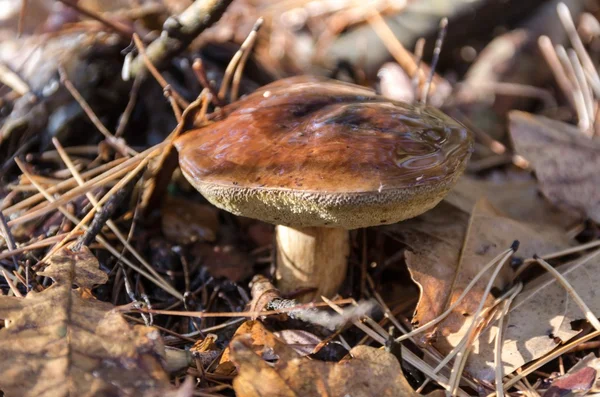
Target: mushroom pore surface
{"type": "Point", "coordinates": [309, 151]}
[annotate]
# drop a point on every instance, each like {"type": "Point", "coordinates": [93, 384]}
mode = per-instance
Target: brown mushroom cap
{"type": "Point", "coordinates": [309, 151]}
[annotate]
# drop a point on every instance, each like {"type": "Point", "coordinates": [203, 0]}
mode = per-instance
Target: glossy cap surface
{"type": "Point", "coordinates": [308, 151]}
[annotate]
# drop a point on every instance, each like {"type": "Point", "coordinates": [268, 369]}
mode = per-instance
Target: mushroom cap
{"type": "Point", "coordinates": [307, 151]}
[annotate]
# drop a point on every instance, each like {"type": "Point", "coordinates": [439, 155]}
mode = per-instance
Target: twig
{"type": "Point", "coordinates": [462, 343]}
{"type": "Point", "coordinates": [112, 226]}
{"type": "Point", "coordinates": [568, 251]}
{"type": "Point", "coordinates": [587, 98]}
{"type": "Point", "coordinates": [580, 106]}
{"type": "Point", "coordinates": [106, 211]}
{"type": "Point", "coordinates": [155, 73]}
{"type": "Point", "coordinates": [400, 54]}
{"type": "Point", "coordinates": [416, 77]}
{"type": "Point", "coordinates": [117, 144]}
{"type": "Point", "coordinates": [124, 31]}
{"type": "Point", "coordinates": [467, 289]}
{"type": "Point", "coordinates": [206, 98]}
{"type": "Point", "coordinates": [9, 281]}
{"type": "Point", "coordinates": [99, 180]}
{"type": "Point", "coordinates": [38, 244]}
{"type": "Point", "coordinates": [436, 56]}
{"type": "Point", "coordinates": [246, 49]}
{"type": "Point", "coordinates": [198, 68]}
{"type": "Point", "coordinates": [516, 89]}
{"type": "Point", "coordinates": [498, 353]}
{"type": "Point", "coordinates": [13, 80]}
{"type": "Point", "coordinates": [179, 32]}
{"type": "Point", "coordinates": [551, 356]}
{"type": "Point", "coordinates": [100, 239]}
{"type": "Point", "coordinates": [461, 357]}
{"type": "Point", "coordinates": [567, 21]}
{"type": "Point", "coordinates": [589, 315]}
{"type": "Point", "coordinates": [381, 339]}
{"type": "Point", "coordinates": [494, 145]}
{"type": "Point", "coordinates": [124, 120]}
{"type": "Point", "coordinates": [233, 63]}
{"type": "Point", "coordinates": [549, 53]}
{"type": "Point", "coordinates": [168, 93]}
{"type": "Point", "coordinates": [97, 205]}
{"type": "Point", "coordinates": [407, 355]}
{"type": "Point", "coordinates": [67, 184]}
{"type": "Point", "coordinates": [8, 237]}
{"type": "Point", "coordinates": [248, 314]}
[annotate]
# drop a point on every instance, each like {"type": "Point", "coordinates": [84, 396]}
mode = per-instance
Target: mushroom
{"type": "Point", "coordinates": [319, 157]}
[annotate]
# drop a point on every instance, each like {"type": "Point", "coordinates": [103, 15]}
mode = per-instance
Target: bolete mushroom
{"type": "Point", "coordinates": [318, 157]}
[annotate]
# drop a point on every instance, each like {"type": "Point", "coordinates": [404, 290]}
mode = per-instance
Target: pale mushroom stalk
{"type": "Point", "coordinates": [317, 158]}
{"type": "Point", "coordinates": [311, 257]}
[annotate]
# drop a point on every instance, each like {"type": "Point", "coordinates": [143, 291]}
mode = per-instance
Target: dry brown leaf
{"type": "Point", "coordinates": [579, 380]}
{"type": "Point", "coordinates": [263, 292]}
{"type": "Point", "coordinates": [63, 342]}
{"type": "Point", "coordinates": [303, 342]}
{"type": "Point", "coordinates": [261, 340]}
{"type": "Point", "coordinates": [442, 270]}
{"type": "Point", "coordinates": [370, 372]}
{"type": "Point", "coordinates": [434, 240]}
{"type": "Point", "coordinates": [566, 162]}
{"type": "Point", "coordinates": [205, 350]}
{"type": "Point", "coordinates": [519, 199]}
{"type": "Point", "coordinates": [577, 383]}
{"type": "Point", "coordinates": [542, 312]}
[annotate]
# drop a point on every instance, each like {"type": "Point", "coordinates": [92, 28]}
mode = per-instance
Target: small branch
{"type": "Point", "coordinates": [168, 93]}
{"type": "Point", "coordinates": [179, 32]}
{"type": "Point", "coordinates": [396, 49]}
{"type": "Point", "coordinates": [567, 22]}
{"type": "Point", "coordinates": [416, 83]}
{"type": "Point", "coordinates": [13, 80]}
{"type": "Point", "coordinates": [124, 120]}
{"type": "Point", "coordinates": [499, 372]}
{"type": "Point", "coordinates": [156, 74]}
{"type": "Point", "coordinates": [105, 212]}
{"type": "Point", "coordinates": [549, 53]}
{"type": "Point", "coordinates": [436, 56]}
{"type": "Point", "coordinates": [580, 107]}
{"type": "Point", "coordinates": [12, 286]}
{"type": "Point", "coordinates": [589, 315]}
{"type": "Point", "coordinates": [200, 72]}
{"type": "Point", "coordinates": [118, 145]}
{"type": "Point", "coordinates": [124, 31]}
{"type": "Point", "coordinates": [245, 50]}
{"type": "Point", "coordinates": [8, 237]}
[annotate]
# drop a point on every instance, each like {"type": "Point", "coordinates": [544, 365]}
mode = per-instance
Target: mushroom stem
{"type": "Point", "coordinates": [311, 257]}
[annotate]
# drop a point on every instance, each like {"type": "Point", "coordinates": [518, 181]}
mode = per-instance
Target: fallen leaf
{"type": "Point", "coordinates": [574, 383]}
{"type": "Point", "coordinates": [443, 265]}
{"type": "Point", "coordinates": [542, 312]}
{"type": "Point", "coordinates": [303, 342]}
{"type": "Point", "coordinates": [263, 292]}
{"type": "Point", "coordinates": [64, 341]}
{"type": "Point", "coordinates": [519, 199]}
{"type": "Point", "coordinates": [370, 372]}
{"type": "Point", "coordinates": [205, 350]}
{"type": "Point", "coordinates": [259, 338]}
{"type": "Point", "coordinates": [565, 161]}
{"type": "Point", "coordinates": [434, 241]}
